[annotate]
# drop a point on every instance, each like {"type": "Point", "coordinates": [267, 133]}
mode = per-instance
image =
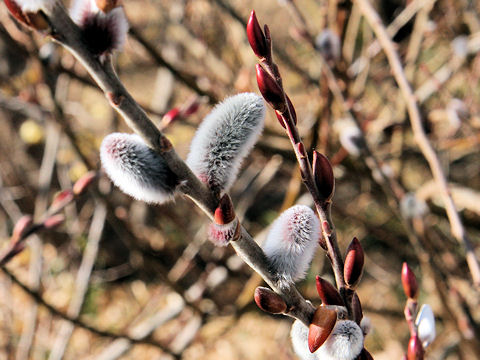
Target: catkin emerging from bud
{"type": "Point", "coordinates": [103, 32]}
{"type": "Point", "coordinates": [299, 335]}
{"type": "Point", "coordinates": [136, 169]}
{"type": "Point", "coordinates": [224, 138]}
{"type": "Point", "coordinates": [344, 343]}
{"type": "Point", "coordinates": [292, 241]}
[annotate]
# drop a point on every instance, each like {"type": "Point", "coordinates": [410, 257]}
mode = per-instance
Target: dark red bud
{"type": "Point", "coordinates": [322, 325]}
{"type": "Point", "coordinates": [353, 267]}
{"type": "Point", "coordinates": [84, 182]}
{"type": "Point", "coordinates": [409, 282]}
{"type": "Point", "coordinates": [357, 309]}
{"type": "Point", "coordinates": [328, 294]}
{"type": "Point", "coordinates": [270, 89]}
{"type": "Point", "coordinates": [169, 117]}
{"type": "Point", "coordinates": [415, 349]}
{"type": "Point", "coordinates": [224, 213]}
{"type": "Point", "coordinates": [269, 301]}
{"type": "Point", "coordinates": [301, 150]}
{"type": "Point", "coordinates": [323, 173]}
{"type": "Point", "coordinates": [255, 36]}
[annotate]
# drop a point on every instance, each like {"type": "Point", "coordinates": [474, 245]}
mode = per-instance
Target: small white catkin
{"type": "Point", "coordinates": [136, 169]}
{"type": "Point", "coordinates": [111, 27]}
{"type": "Point", "coordinates": [35, 5]}
{"type": "Point", "coordinates": [292, 241]}
{"type": "Point", "coordinates": [299, 336]}
{"type": "Point", "coordinates": [344, 343]}
{"type": "Point", "coordinates": [425, 323]}
{"type": "Point", "coordinates": [224, 138]}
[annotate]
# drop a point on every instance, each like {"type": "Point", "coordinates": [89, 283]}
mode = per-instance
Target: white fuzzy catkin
{"type": "Point", "coordinates": [344, 343]}
{"type": "Point", "coordinates": [136, 169]}
{"type": "Point", "coordinates": [299, 336]}
{"type": "Point", "coordinates": [224, 138]}
{"type": "Point", "coordinates": [113, 25]}
{"type": "Point", "coordinates": [35, 5]}
{"type": "Point", "coordinates": [221, 235]}
{"type": "Point", "coordinates": [425, 323]}
{"type": "Point", "coordinates": [291, 242]}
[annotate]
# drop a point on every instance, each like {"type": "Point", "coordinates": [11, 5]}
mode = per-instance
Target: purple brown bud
{"type": "Point", "coordinates": [269, 301]}
{"type": "Point", "coordinates": [328, 294]}
{"type": "Point", "coordinates": [415, 349]}
{"type": "Point", "coordinates": [255, 36]}
{"type": "Point", "coordinates": [271, 91]}
{"type": "Point", "coordinates": [409, 282]}
{"type": "Point", "coordinates": [353, 267]}
{"type": "Point", "coordinates": [322, 325]}
{"type": "Point", "coordinates": [323, 173]}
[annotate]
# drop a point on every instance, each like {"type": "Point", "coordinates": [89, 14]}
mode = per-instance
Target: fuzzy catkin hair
{"type": "Point", "coordinates": [102, 33]}
{"type": "Point", "coordinates": [344, 343]}
{"type": "Point", "coordinates": [224, 138]}
{"type": "Point", "coordinates": [299, 336]}
{"type": "Point", "coordinates": [136, 169]}
{"type": "Point", "coordinates": [292, 241]}
{"type": "Point", "coordinates": [35, 5]}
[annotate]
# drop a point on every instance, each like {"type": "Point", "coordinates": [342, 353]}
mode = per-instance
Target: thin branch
{"type": "Point", "coordinates": [456, 226]}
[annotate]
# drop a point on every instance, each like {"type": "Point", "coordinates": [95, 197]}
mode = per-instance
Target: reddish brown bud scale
{"type": "Point", "coordinates": [409, 282]}
{"type": "Point", "coordinates": [357, 309]}
{"type": "Point", "coordinates": [354, 261]}
{"type": "Point", "coordinates": [35, 20]}
{"type": "Point", "coordinates": [53, 221]}
{"type": "Point", "coordinates": [255, 36]}
{"type": "Point", "coordinates": [61, 200]}
{"type": "Point", "coordinates": [270, 90]}
{"type": "Point", "coordinates": [269, 301]}
{"type": "Point", "coordinates": [323, 173]}
{"type": "Point", "coordinates": [327, 292]}
{"type": "Point", "coordinates": [21, 227]}
{"type": "Point", "coordinates": [415, 349]}
{"type": "Point", "coordinates": [280, 118]}
{"type": "Point", "coordinates": [106, 5]}
{"type": "Point", "coordinates": [84, 182]}
{"type": "Point", "coordinates": [322, 325]}
{"type": "Point", "coordinates": [170, 116]}
{"type": "Point", "coordinates": [224, 213]}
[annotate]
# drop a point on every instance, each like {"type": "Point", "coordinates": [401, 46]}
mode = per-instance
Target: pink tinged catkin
{"type": "Point", "coordinates": [136, 169]}
{"type": "Point", "coordinates": [344, 343]}
{"type": "Point", "coordinates": [103, 32]}
{"type": "Point", "coordinates": [292, 241]}
{"type": "Point", "coordinates": [224, 138]}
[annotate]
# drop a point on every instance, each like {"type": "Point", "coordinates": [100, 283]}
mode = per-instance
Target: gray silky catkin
{"type": "Point", "coordinates": [136, 169]}
{"type": "Point", "coordinates": [292, 241]}
{"type": "Point", "coordinates": [299, 336]}
{"type": "Point", "coordinates": [224, 138]}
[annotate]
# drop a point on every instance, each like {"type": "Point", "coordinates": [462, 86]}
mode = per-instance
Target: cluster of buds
{"type": "Point", "coordinates": [421, 323]}
{"type": "Point", "coordinates": [25, 226]}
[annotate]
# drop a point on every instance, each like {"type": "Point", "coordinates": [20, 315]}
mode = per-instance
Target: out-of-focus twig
{"type": "Point", "coordinates": [457, 228]}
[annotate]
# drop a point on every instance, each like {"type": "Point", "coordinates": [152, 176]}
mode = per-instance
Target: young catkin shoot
{"type": "Point", "coordinates": [344, 343]}
{"type": "Point", "coordinates": [224, 138]}
{"type": "Point", "coordinates": [292, 241]}
{"type": "Point", "coordinates": [136, 169]}
{"type": "Point", "coordinates": [104, 30]}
